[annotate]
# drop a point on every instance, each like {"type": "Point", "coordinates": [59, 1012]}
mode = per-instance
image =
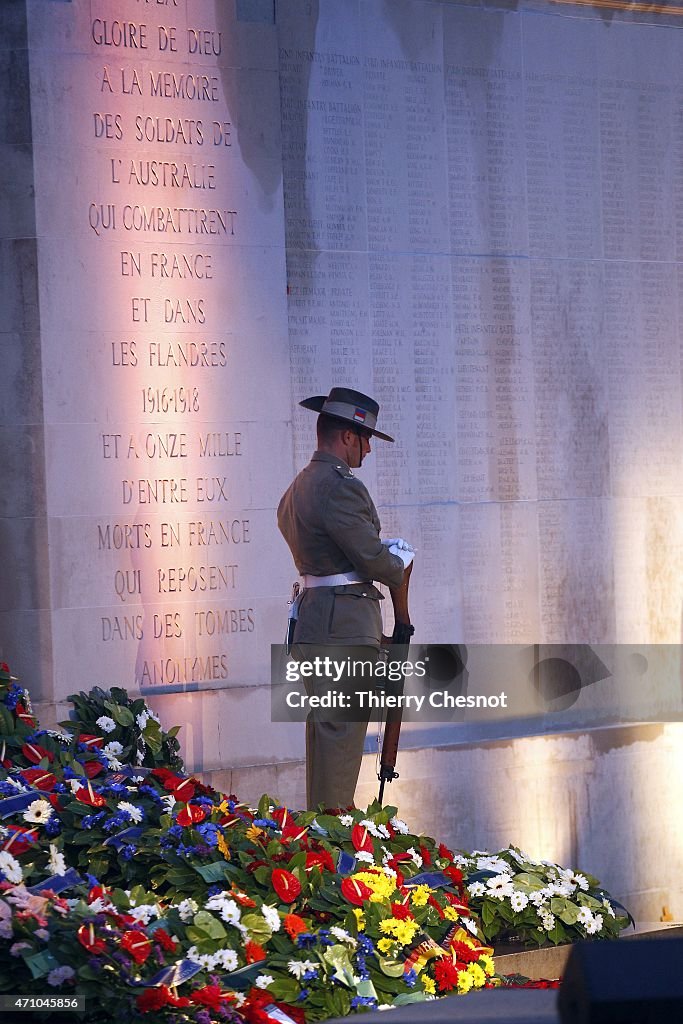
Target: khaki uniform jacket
{"type": "Point", "coordinates": [331, 525]}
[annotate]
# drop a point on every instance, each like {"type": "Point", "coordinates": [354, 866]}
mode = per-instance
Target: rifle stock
{"type": "Point", "coordinates": [403, 630]}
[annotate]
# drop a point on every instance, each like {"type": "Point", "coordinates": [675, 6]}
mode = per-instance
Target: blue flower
{"type": "Point", "coordinates": [90, 820]}
{"type": "Point", "coordinates": [363, 1001]}
{"type": "Point", "coordinates": [128, 851]}
{"type": "Point", "coordinates": [305, 940]}
{"type": "Point", "coordinates": [365, 944]}
{"type": "Point", "coordinates": [310, 975]}
{"type": "Point", "coordinates": [151, 793]}
{"type": "Point", "coordinates": [209, 832]}
{"type": "Point", "coordinates": [410, 978]}
{"type": "Point", "coordinates": [215, 890]}
{"type": "Point", "coordinates": [304, 992]}
{"type": "Point", "coordinates": [14, 695]}
{"type": "Point", "coordinates": [53, 826]}
{"type": "Point", "coordinates": [266, 823]}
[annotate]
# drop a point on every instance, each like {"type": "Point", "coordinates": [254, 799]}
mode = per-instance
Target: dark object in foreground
{"type": "Point", "coordinates": [634, 982]}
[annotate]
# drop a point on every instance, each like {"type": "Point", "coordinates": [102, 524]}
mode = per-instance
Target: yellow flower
{"type": "Point", "coordinates": [360, 919]}
{"type": "Point", "coordinates": [382, 885]}
{"type": "Point", "coordinates": [223, 846]}
{"type": "Point", "coordinates": [402, 931]}
{"type": "Point", "coordinates": [385, 945]}
{"type": "Point", "coordinates": [451, 914]}
{"type": "Point", "coordinates": [253, 833]}
{"type": "Point", "coordinates": [488, 964]}
{"type": "Point", "coordinates": [477, 974]}
{"type": "Point", "coordinates": [465, 982]}
{"type": "Point", "coordinates": [419, 895]}
{"type": "Point", "coordinates": [428, 985]}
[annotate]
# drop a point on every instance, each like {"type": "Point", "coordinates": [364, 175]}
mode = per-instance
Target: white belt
{"type": "Point", "coordinates": [339, 579]}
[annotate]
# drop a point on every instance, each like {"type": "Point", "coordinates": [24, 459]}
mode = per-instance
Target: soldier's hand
{"type": "Point", "coordinates": [398, 542]}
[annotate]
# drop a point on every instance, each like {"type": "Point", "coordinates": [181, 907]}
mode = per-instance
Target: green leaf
{"type": "Point", "coordinates": [209, 924]}
{"type": "Point", "coordinates": [391, 967]}
{"type": "Point", "coordinates": [285, 989]}
{"type": "Point", "coordinates": [258, 927]}
{"type": "Point", "coordinates": [215, 872]}
{"type": "Point", "coordinates": [122, 716]}
{"type": "Point", "coordinates": [262, 875]}
{"type": "Point", "coordinates": [569, 915]}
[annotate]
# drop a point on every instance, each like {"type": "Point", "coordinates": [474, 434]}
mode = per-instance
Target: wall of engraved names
{"type": "Point", "coordinates": [158, 183]}
{"type": "Point", "coordinates": [484, 230]}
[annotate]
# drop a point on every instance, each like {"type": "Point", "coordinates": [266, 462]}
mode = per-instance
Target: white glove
{"type": "Point", "coordinates": [405, 555]}
{"type": "Point", "coordinates": [398, 542]}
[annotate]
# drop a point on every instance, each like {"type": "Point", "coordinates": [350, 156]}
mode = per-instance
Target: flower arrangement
{"type": "Point", "coordinates": [120, 874]}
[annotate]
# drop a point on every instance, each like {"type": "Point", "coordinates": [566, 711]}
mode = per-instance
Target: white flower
{"type": "Point", "coordinates": [580, 881]}
{"type": "Point", "coordinates": [500, 886]}
{"type": "Point", "coordinates": [518, 901]}
{"type": "Point", "coordinates": [547, 919]}
{"type": "Point", "coordinates": [494, 864]}
{"type": "Point", "coordinates": [106, 723]}
{"type": "Point", "coordinates": [227, 908]}
{"type": "Point", "coordinates": [585, 916]}
{"type": "Point", "coordinates": [112, 749]}
{"type": "Point", "coordinates": [142, 719]}
{"type": "Point", "coordinates": [16, 783]}
{"type": "Point", "coordinates": [470, 924]}
{"type": "Point", "coordinates": [98, 905]}
{"type": "Point", "coordinates": [144, 913]}
{"type": "Point", "coordinates": [10, 867]}
{"type": "Point", "coordinates": [539, 897]}
{"type": "Point", "coordinates": [58, 975]}
{"type": "Point", "coordinates": [374, 829]}
{"type": "Point", "coordinates": [75, 785]}
{"type": "Point", "coordinates": [560, 888]}
{"type": "Point", "coordinates": [239, 998]}
{"type": "Point", "coordinates": [346, 820]}
{"type": "Point", "coordinates": [417, 859]}
{"type": "Point", "coordinates": [342, 935]}
{"type": "Point", "coordinates": [187, 909]}
{"type": "Point", "coordinates": [227, 959]}
{"type": "Point", "coordinates": [114, 764]}
{"type": "Point", "coordinates": [609, 908]}
{"type": "Point", "coordinates": [595, 926]}
{"type": "Point", "coordinates": [134, 812]}
{"type": "Point", "coordinates": [272, 917]}
{"type": "Point", "coordinates": [299, 967]}
{"type": "Point", "coordinates": [264, 980]}
{"type": "Point", "coordinates": [38, 812]}
{"type": "Point", "coordinates": [168, 802]}
{"type": "Point", "coordinates": [365, 855]}
{"type": "Point", "coordinates": [400, 826]}
{"type": "Point", "coordinates": [56, 863]}
{"type": "Point", "coordinates": [476, 889]}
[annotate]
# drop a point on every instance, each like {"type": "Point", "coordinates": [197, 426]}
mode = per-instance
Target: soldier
{"type": "Point", "coordinates": [332, 528]}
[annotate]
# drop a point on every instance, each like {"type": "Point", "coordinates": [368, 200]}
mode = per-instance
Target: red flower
{"type": "Point", "coordinates": [464, 953]}
{"type": "Point", "coordinates": [282, 816]}
{"type": "Point", "coordinates": [455, 875]}
{"type": "Point", "coordinates": [190, 815]}
{"type": "Point", "coordinates": [87, 795]}
{"type": "Point", "coordinates": [165, 941]}
{"type": "Point", "coordinates": [253, 952]}
{"type": "Point", "coordinates": [211, 996]}
{"type": "Point", "coordinates": [92, 768]}
{"type": "Point", "coordinates": [137, 945]}
{"type": "Point", "coordinates": [87, 938]}
{"type": "Point", "coordinates": [355, 892]}
{"type": "Point", "coordinates": [433, 902]}
{"type": "Point", "coordinates": [182, 789]}
{"type": "Point", "coordinates": [91, 742]}
{"type": "Point", "coordinates": [286, 885]}
{"type": "Point", "coordinates": [426, 856]}
{"type": "Point", "coordinates": [361, 839]}
{"type": "Point", "coordinates": [322, 859]}
{"type": "Point", "coordinates": [446, 974]}
{"type": "Point", "coordinates": [23, 715]}
{"type": "Point", "coordinates": [98, 892]}
{"type": "Point", "coordinates": [34, 753]}
{"type": "Point", "coordinates": [294, 925]}
{"type": "Point", "coordinates": [38, 777]}
{"type": "Point", "coordinates": [401, 911]}
{"type": "Point", "coordinates": [293, 833]}
{"type": "Point", "coordinates": [156, 998]}
{"type": "Point", "coordinates": [445, 852]}
{"type": "Point", "coordinates": [20, 840]}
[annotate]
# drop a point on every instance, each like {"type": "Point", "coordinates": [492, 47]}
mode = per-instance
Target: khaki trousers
{"type": "Point", "coordinates": [334, 744]}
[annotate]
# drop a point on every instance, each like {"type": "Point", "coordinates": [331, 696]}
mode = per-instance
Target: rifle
{"type": "Point", "coordinates": [403, 630]}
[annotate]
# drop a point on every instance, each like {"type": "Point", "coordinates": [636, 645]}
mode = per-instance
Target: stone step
{"type": "Point", "coordinates": [549, 962]}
